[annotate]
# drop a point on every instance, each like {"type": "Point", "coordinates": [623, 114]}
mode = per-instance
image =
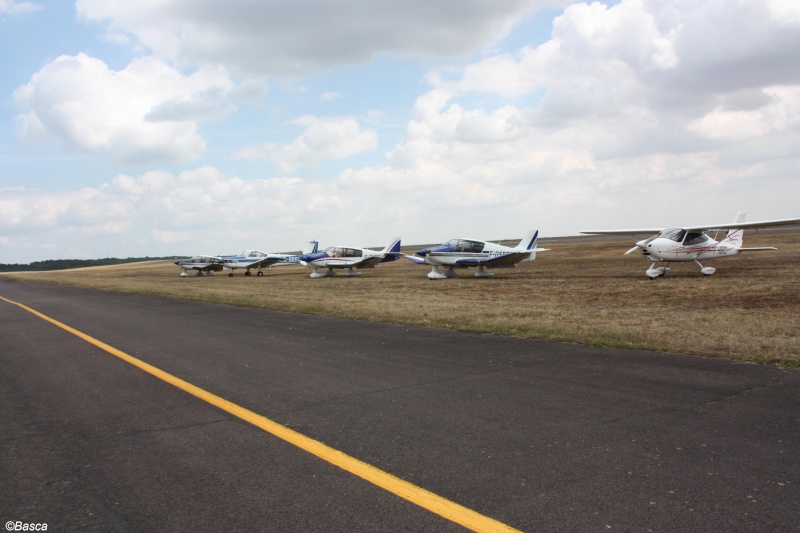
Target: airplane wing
{"type": "Point", "coordinates": [748, 225]}
{"type": "Point", "coordinates": [369, 262]}
{"type": "Point", "coordinates": [267, 261]}
{"type": "Point", "coordinates": [709, 227]}
{"type": "Point", "coordinates": [499, 260]}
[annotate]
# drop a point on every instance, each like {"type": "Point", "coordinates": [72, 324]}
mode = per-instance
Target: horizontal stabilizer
{"type": "Point", "coordinates": [414, 259]}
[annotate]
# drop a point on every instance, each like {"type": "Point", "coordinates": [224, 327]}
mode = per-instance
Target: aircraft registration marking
{"type": "Point", "coordinates": [408, 491]}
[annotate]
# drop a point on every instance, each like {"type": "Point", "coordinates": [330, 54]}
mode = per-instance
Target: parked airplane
{"type": "Point", "coordinates": [349, 257]}
{"type": "Point", "coordinates": [464, 253]}
{"type": "Point", "coordinates": [258, 259]}
{"type": "Point", "coordinates": [203, 264]}
{"type": "Point", "coordinates": [692, 244]}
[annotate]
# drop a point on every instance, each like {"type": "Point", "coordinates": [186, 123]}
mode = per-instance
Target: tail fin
{"type": "Point", "coordinates": [311, 247]}
{"type": "Point", "coordinates": [392, 251]}
{"type": "Point", "coordinates": [735, 236]}
{"type": "Point", "coordinates": [528, 242]}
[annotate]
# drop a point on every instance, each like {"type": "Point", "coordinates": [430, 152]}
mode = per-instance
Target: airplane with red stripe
{"type": "Point", "coordinates": [693, 244]}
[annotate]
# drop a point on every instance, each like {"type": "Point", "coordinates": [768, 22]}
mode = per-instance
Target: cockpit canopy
{"type": "Point", "coordinates": [464, 245]}
{"type": "Point", "coordinates": [253, 254]}
{"type": "Point", "coordinates": [674, 234]}
{"type": "Point", "coordinates": [335, 251]}
{"type": "Point", "coordinates": [688, 238]}
{"type": "Point", "coordinates": [199, 259]}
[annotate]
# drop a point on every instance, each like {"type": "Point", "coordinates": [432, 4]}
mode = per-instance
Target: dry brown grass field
{"type": "Point", "coordinates": [582, 292]}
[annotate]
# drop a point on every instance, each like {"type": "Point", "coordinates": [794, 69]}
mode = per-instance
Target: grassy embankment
{"type": "Point", "coordinates": [584, 292]}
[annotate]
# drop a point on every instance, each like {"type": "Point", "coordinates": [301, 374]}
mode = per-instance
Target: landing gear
{"type": "Point", "coordinates": [316, 273]}
{"type": "Point", "coordinates": [706, 271]}
{"type": "Point", "coordinates": [482, 272]}
{"type": "Point", "coordinates": [350, 272]}
{"type": "Point", "coordinates": [654, 272]}
{"type": "Point", "coordinates": [435, 274]}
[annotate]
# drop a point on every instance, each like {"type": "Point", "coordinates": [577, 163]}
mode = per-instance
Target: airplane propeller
{"type": "Point", "coordinates": [632, 249]}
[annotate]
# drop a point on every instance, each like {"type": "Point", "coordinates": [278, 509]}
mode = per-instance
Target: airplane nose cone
{"type": "Point", "coordinates": [641, 245]}
{"type": "Point", "coordinates": [423, 252]}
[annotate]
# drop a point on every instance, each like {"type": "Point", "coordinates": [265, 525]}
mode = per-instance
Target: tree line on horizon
{"type": "Point", "coordinates": [64, 264]}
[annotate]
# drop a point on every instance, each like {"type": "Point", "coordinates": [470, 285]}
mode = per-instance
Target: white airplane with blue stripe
{"type": "Point", "coordinates": [465, 253]}
{"type": "Point", "coordinates": [257, 259]}
{"type": "Point", "coordinates": [349, 258]}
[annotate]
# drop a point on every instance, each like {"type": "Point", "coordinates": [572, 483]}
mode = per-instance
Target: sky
{"type": "Point", "coordinates": [182, 127]}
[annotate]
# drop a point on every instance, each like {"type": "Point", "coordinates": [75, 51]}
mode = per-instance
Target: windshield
{"type": "Point", "coordinates": [335, 251]}
{"type": "Point", "coordinates": [463, 245]}
{"type": "Point", "coordinates": [695, 237]}
{"type": "Point", "coordinates": [673, 234]}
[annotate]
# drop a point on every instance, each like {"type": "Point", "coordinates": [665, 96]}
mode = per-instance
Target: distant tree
{"type": "Point", "coordinates": [64, 264]}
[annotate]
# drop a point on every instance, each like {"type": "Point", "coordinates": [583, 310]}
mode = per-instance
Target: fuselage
{"type": "Point", "coordinates": [338, 257]}
{"type": "Point", "coordinates": [455, 250]}
{"type": "Point", "coordinates": [681, 245]}
{"type": "Point", "coordinates": [200, 263]}
{"type": "Point", "coordinates": [248, 258]}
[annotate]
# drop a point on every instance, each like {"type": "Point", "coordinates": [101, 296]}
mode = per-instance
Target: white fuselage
{"type": "Point", "coordinates": [249, 258]}
{"type": "Point", "coordinates": [201, 263]}
{"type": "Point", "coordinates": [340, 257]}
{"type": "Point", "coordinates": [679, 245]}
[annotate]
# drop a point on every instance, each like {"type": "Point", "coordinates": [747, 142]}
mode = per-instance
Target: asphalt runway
{"type": "Point", "coordinates": [539, 436]}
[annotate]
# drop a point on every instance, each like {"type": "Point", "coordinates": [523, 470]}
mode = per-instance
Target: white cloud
{"type": "Point", "coordinates": [289, 37]}
{"type": "Point", "coordinates": [325, 138]}
{"type": "Point", "coordinates": [782, 113]}
{"type": "Point", "coordinates": [144, 113]}
{"type": "Point", "coordinates": [634, 114]}
{"type": "Point", "coordinates": [159, 213]}
{"type": "Point", "coordinates": [13, 8]}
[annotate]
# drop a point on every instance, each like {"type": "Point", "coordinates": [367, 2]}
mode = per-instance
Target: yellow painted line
{"type": "Point", "coordinates": [417, 495]}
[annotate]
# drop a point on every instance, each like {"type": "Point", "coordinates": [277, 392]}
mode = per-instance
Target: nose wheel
{"type": "Point", "coordinates": [656, 272]}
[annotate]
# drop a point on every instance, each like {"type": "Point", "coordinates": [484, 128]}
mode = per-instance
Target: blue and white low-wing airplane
{"type": "Point", "coordinates": [203, 264]}
{"type": "Point", "coordinates": [692, 244]}
{"type": "Point", "coordinates": [258, 259]}
{"type": "Point", "coordinates": [465, 253]}
{"type": "Point", "coordinates": [349, 257]}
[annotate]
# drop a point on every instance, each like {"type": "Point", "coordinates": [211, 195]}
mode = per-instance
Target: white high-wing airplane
{"type": "Point", "coordinates": [464, 253]}
{"type": "Point", "coordinates": [258, 259]}
{"type": "Point", "coordinates": [692, 244]}
{"type": "Point", "coordinates": [203, 264]}
{"type": "Point", "coordinates": [349, 257]}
